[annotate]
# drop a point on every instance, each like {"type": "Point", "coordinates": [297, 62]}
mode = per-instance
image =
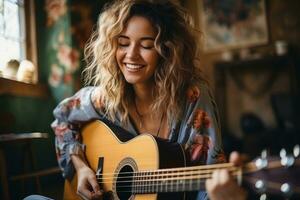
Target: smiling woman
{"type": "Point", "coordinates": [136, 55]}
{"type": "Point", "coordinates": [145, 76]}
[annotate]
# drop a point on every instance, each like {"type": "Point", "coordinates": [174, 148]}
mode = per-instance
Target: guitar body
{"type": "Point", "coordinates": [120, 152]}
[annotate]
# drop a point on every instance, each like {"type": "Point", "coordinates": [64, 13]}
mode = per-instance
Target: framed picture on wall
{"type": "Point", "coordinates": [231, 24]}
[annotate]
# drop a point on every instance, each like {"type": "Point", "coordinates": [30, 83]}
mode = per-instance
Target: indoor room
{"type": "Point", "coordinates": [211, 77]}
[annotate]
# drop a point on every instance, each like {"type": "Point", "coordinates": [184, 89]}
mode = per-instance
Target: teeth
{"type": "Point", "coordinates": [133, 66]}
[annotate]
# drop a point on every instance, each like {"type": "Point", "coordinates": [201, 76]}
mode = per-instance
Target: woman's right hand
{"type": "Point", "coordinates": [87, 185]}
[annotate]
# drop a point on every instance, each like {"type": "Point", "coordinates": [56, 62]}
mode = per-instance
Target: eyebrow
{"type": "Point", "coordinates": [143, 38]}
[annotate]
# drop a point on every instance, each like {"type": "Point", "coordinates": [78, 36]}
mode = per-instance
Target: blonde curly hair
{"type": "Point", "coordinates": [176, 43]}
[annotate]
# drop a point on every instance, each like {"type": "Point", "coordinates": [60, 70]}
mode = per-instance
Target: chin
{"type": "Point", "coordinates": [131, 80]}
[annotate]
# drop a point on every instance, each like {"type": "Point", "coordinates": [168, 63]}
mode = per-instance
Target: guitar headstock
{"type": "Point", "coordinates": [278, 176]}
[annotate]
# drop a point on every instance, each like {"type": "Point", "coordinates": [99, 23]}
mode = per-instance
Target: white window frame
{"type": "Point", "coordinates": [16, 88]}
{"type": "Point", "coordinates": [28, 32]}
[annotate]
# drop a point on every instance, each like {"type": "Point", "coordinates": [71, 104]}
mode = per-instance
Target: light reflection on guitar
{"type": "Point", "coordinates": [146, 167]}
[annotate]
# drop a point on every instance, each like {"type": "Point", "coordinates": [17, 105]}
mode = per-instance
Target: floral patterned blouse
{"type": "Point", "coordinates": [198, 131]}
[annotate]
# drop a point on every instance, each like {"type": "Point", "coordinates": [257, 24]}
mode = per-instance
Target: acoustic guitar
{"type": "Point", "coordinates": [148, 168]}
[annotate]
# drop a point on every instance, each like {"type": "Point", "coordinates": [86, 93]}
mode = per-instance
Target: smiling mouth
{"type": "Point", "coordinates": [133, 67]}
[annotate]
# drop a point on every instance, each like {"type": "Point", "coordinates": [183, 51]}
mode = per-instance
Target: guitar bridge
{"type": "Point", "coordinates": [99, 172]}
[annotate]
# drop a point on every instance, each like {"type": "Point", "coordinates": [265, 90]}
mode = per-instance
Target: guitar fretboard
{"type": "Point", "coordinates": [170, 180]}
{"type": "Point", "coordinates": [175, 180]}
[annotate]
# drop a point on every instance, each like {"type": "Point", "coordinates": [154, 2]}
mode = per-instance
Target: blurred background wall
{"type": "Point", "coordinates": [249, 121]}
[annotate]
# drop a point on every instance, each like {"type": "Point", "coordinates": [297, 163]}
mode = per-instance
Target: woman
{"type": "Point", "coordinates": [143, 68]}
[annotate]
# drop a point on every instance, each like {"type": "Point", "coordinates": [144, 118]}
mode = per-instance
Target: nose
{"type": "Point", "coordinates": [133, 51]}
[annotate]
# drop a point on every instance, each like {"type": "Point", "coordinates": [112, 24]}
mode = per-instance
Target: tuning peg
{"type": "Point", "coordinates": [263, 197]}
{"type": "Point", "coordinates": [296, 151]}
{"type": "Point", "coordinates": [286, 189]}
{"type": "Point", "coordinates": [286, 160]}
{"type": "Point", "coordinates": [282, 153]}
{"type": "Point", "coordinates": [262, 162]}
{"type": "Point", "coordinates": [260, 185]}
{"type": "Point", "coordinates": [264, 154]}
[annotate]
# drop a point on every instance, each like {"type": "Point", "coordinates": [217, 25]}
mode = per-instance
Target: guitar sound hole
{"type": "Point", "coordinates": [124, 182]}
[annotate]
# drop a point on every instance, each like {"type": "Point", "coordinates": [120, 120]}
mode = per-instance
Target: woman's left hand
{"type": "Point", "coordinates": [222, 186]}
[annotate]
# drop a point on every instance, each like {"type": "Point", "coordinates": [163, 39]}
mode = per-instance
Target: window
{"type": "Point", "coordinates": [17, 39]}
{"type": "Point", "coordinates": [18, 45]}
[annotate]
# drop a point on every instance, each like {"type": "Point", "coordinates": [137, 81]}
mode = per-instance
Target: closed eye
{"type": "Point", "coordinates": [123, 44]}
{"type": "Point", "coordinates": [123, 41]}
{"type": "Point", "coordinates": [147, 44]}
{"type": "Point", "coordinates": [147, 47]}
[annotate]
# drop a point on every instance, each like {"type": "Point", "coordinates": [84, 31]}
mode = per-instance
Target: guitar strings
{"type": "Point", "coordinates": [149, 174]}
{"type": "Point", "coordinates": [188, 175]}
{"type": "Point", "coordinates": [164, 176]}
{"type": "Point", "coordinates": [167, 179]}
{"type": "Point", "coordinates": [174, 171]}
{"type": "Point", "coordinates": [248, 168]}
{"type": "Point", "coordinates": [156, 177]}
{"type": "Point", "coordinates": [203, 168]}
{"type": "Point", "coordinates": [162, 189]}
{"type": "Point", "coordinates": [166, 187]}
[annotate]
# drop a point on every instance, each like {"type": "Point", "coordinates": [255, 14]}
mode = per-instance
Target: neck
{"type": "Point", "coordinates": [144, 93]}
{"type": "Point", "coordinates": [178, 179]}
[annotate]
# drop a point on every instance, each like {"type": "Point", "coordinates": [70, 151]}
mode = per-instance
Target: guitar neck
{"type": "Point", "coordinates": [178, 179]}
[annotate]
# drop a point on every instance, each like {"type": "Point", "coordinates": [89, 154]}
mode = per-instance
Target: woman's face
{"type": "Point", "coordinates": [136, 54]}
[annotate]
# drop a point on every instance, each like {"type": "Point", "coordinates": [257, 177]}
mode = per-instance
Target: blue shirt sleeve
{"type": "Point", "coordinates": [70, 115]}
